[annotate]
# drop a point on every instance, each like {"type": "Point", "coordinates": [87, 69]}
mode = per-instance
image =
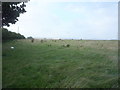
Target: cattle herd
{"type": "Point", "coordinates": [49, 45]}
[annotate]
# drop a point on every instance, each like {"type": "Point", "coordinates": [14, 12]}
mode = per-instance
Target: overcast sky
{"type": "Point", "coordinates": [74, 20]}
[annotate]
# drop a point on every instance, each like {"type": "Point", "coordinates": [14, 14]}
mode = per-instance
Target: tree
{"type": "Point", "coordinates": [11, 11]}
{"type": "Point", "coordinates": [30, 37]}
{"type": "Point", "coordinates": [8, 35]}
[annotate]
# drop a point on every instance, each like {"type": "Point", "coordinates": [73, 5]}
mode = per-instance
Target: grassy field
{"type": "Point", "coordinates": [85, 64]}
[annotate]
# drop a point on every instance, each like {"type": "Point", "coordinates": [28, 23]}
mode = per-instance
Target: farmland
{"type": "Point", "coordinates": [48, 64]}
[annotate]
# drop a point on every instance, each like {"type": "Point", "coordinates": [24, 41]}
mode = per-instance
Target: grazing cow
{"type": "Point", "coordinates": [67, 45]}
{"type": "Point", "coordinates": [81, 45]}
{"type": "Point", "coordinates": [49, 45]}
{"type": "Point", "coordinates": [32, 40]}
{"type": "Point", "coordinates": [41, 41]}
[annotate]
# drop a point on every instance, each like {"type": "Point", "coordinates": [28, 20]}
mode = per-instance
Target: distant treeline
{"type": "Point", "coordinates": [8, 35]}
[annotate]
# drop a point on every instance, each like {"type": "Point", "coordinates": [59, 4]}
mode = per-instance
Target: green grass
{"type": "Point", "coordinates": [85, 64]}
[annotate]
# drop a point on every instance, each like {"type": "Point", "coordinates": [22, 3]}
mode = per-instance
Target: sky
{"type": "Point", "coordinates": [69, 20]}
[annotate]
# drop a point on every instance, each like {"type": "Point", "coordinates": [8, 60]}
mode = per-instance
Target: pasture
{"type": "Point", "coordinates": [49, 64]}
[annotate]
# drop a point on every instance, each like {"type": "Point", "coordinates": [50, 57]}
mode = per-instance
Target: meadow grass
{"type": "Point", "coordinates": [85, 64]}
